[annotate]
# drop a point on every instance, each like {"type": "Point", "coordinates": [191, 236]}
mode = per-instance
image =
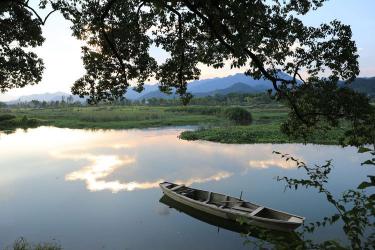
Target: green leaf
{"type": "Point", "coordinates": [365, 184]}
{"type": "Point", "coordinates": [368, 162]}
{"type": "Point", "coordinates": [363, 150]}
{"type": "Point", "coordinates": [335, 218]}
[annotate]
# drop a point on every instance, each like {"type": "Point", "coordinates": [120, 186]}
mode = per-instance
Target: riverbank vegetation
{"type": "Point", "coordinates": [10, 122]}
{"type": "Point", "coordinates": [225, 124]}
{"type": "Point", "coordinates": [23, 244]}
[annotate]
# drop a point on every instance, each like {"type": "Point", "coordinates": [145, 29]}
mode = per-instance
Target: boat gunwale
{"type": "Point", "coordinates": [226, 210]}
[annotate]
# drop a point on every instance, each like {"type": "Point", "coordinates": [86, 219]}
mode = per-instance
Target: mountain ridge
{"type": "Point", "coordinates": [237, 83]}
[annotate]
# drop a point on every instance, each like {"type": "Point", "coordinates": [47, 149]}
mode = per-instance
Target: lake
{"type": "Point", "coordinates": [99, 189]}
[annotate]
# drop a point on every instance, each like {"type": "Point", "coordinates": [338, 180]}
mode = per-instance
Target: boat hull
{"type": "Point", "coordinates": [271, 236]}
{"type": "Point", "coordinates": [230, 214]}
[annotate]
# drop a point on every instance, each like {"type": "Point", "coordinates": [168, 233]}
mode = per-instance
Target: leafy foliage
{"type": "Point", "coordinates": [19, 31]}
{"type": "Point", "coordinates": [325, 105]}
{"type": "Point", "coordinates": [4, 117]}
{"type": "Point", "coordinates": [268, 37]}
{"type": "Point", "coordinates": [238, 115]}
{"type": "Point", "coordinates": [120, 33]}
{"type": "Point", "coordinates": [355, 208]}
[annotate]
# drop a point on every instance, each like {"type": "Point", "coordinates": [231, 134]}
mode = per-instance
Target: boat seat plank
{"type": "Point", "coordinates": [256, 211]}
{"type": "Point", "coordinates": [177, 187]}
{"type": "Point", "coordinates": [186, 192]}
{"type": "Point", "coordinates": [245, 209]}
{"type": "Point", "coordinates": [233, 202]}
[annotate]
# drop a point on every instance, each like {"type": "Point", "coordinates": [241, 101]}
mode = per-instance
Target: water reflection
{"type": "Point", "coordinates": [141, 159]}
{"type": "Point", "coordinates": [126, 157]}
{"type": "Point", "coordinates": [103, 166]}
{"type": "Point", "coordinates": [281, 163]}
{"type": "Point", "coordinates": [65, 178]}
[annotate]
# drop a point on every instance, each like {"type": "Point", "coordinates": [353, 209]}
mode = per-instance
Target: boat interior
{"type": "Point", "coordinates": [228, 202]}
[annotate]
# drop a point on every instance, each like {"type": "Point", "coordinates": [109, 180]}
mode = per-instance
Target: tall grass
{"type": "Point", "coordinates": [23, 244]}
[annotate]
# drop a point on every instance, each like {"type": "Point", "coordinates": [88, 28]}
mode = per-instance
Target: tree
{"type": "Point", "coordinates": [265, 36]}
{"type": "Point", "coordinates": [20, 31]}
{"type": "Point", "coordinates": [35, 103]}
{"type": "Point", "coordinates": [70, 99]}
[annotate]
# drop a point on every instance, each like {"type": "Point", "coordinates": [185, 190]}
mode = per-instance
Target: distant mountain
{"type": "Point", "coordinates": [364, 85]}
{"type": "Point", "coordinates": [158, 94]}
{"type": "Point", "coordinates": [213, 84]}
{"type": "Point", "coordinates": [238, 83]}
{"type": "Point", "coordinates": [238, 87]}
{"type": "Point", "coordinates": [131, 94]}
{"type": "Point", "coordinates": [48, 97]}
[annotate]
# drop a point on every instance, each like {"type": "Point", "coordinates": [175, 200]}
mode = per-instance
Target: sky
{"type": "Point", "coordinates": [62, 53]}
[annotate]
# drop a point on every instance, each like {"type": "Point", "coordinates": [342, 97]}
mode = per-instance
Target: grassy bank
{"type": "Point", "coordinates": [10, 122]}
{"type": "Point", "coordinates": [264, 129]}
{"type": "Point", "coordinates": [116, 117]}
{"type": "Point", "coordinates": [214, 126]}
{"type": "Point", "coordinates": [258, 133]}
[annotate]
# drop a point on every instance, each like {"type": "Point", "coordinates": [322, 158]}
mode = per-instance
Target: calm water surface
{"type": "Point", "coordinates": [99, 189]}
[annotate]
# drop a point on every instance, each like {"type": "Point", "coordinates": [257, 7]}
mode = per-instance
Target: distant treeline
{"type": "Point", "coordinates": [238, 99]}
{"type": "Point", "coordinates": [215, 100]}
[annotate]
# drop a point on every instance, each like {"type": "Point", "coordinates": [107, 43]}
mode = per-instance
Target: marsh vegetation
{"type": "Point", "coordinates": [224, 124]}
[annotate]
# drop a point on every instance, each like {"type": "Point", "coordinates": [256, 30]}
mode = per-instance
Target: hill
{"type": "Point", "coordinates": [48, 97]}
{"type": "Point", "coordinates": [238, 87]}
{"type": "Point", "coordinates": [364, 85]}
{"type": "Point", "coordinates": [238, 83]}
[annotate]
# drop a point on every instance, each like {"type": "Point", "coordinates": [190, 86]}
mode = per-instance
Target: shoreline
{"type": "Point", "coordinates": [211, 127]}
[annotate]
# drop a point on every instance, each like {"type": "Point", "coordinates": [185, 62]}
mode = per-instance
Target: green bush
{"type": "Point", "coordinates": [6, 117]}
{"type": "Point", "coordinates": [239, 116]}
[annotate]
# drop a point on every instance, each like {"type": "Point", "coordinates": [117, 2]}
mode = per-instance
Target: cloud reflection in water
{"type": "Point", "coordinates": [103, 166]}
{"type": "Point", "coordinates": [141, 159]}
{"type": "Point", "coordinates": [281, 163]}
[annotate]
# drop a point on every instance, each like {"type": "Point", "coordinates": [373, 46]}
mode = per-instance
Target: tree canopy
{"type": "Point", "coordinates": [268, 38]}
{"type": "Point", "coordinates": [19, 31]}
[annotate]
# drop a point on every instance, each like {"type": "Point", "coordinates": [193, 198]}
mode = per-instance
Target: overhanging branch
{"type": "Point", "coordinates": [112, 46]}
{"type": "Point", "coordinates": [227, 34]}
{"type": "Point", "coordinates": [40, 19]}
{"type": "Point", "coordinates": [180, 43]}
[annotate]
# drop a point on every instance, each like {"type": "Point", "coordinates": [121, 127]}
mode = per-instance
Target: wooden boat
{"type": "Point", "coordinates": [232, 208]}
{"type": "Point", "coordinates": [270, 236]}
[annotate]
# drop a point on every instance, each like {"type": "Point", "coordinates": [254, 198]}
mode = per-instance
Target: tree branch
{"type": "Point", "coordinates": [180, 43]}
{"type": "Point", "coordinates": [112, 46]}
{"type": "Point", "coordinates": [41, 20]}
{"type": "Point", "coordinates": [259, 64]}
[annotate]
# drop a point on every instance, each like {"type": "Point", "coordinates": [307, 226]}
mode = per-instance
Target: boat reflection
{"type": "Point", "coordinates": [266, 235]}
